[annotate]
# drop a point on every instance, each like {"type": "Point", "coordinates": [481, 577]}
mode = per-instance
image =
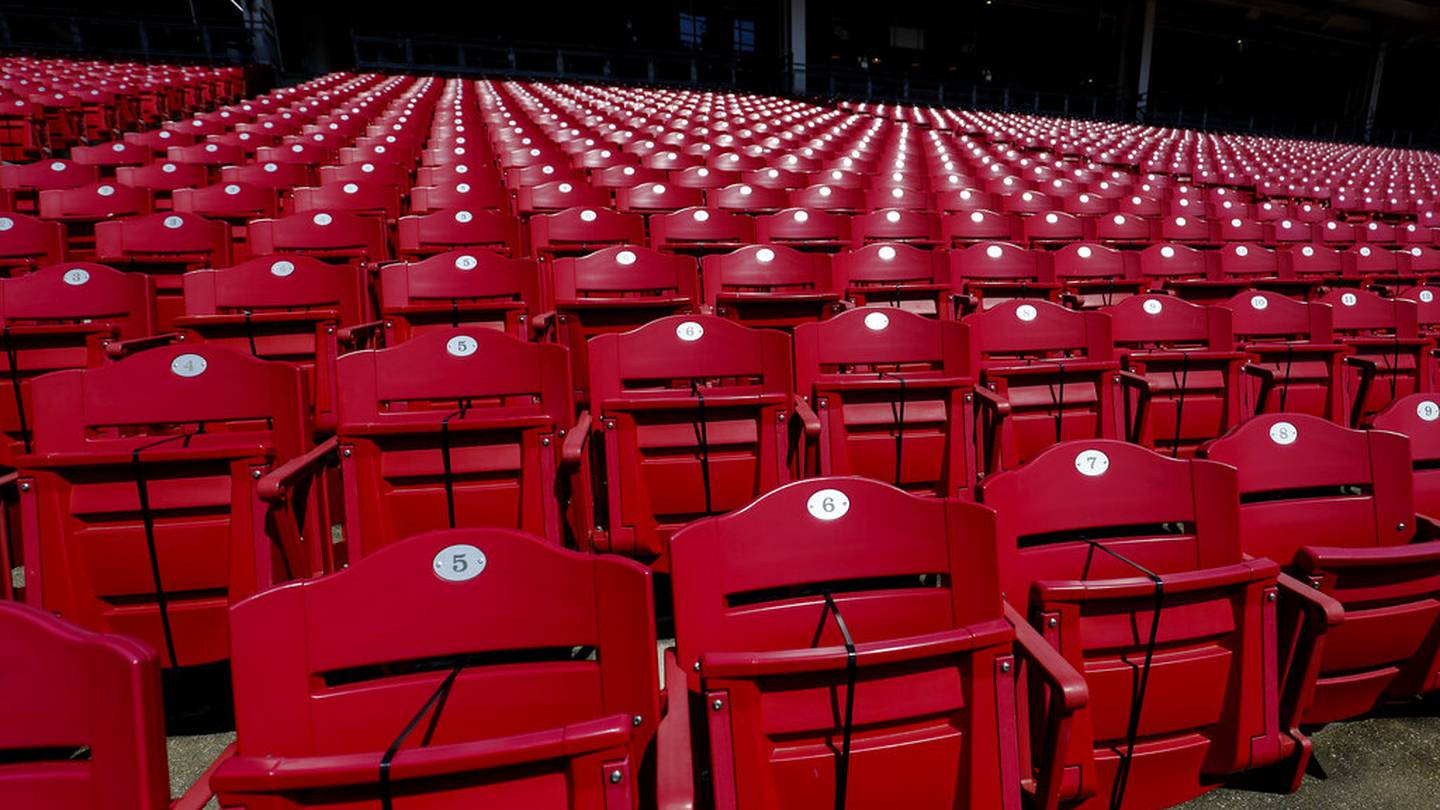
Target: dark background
{"type": "Point", "coordinates": [1304, 68]}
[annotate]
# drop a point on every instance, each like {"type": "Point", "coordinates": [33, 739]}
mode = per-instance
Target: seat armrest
{"type": "Point", "coordinates": [1369, 370]}
{"type": "Point", "coordinates": [807, 416]}
{"type": "Point", "coordinates": [1130, 379]}
{"type": "Point", "coordinates": [272, 487]}
{"type": "Point", "coordinates": [1268, 378]}
{"type": "Point", "coordinates": [116, 349]}
{"type": "Point", "coordinates": [542, 322]}
{"type": "Point", "coordinates": [351, 336]}
{"type": "Point", "coordinates": [573, 448]}
{"type": "Point", "coordinates": [675, 766]}
{"type": "Point", "coordinates": [1045, 776]}
{"type": "Point", "coordinates": [1325, 609]}
{"type": "Point", "coordinates": [1069, 685]}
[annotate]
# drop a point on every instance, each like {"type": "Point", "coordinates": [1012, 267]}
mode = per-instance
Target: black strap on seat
{"type": "Point", "coordinates": [1059, 401]}
{"type": "Point", "coordinates": [897, 412]}
{"type": "Point", "coordinates": [142, 489]}
{"type": "Point", "coordinates": [1137, 696]}
{"type": "Point", "coordinates": [842, 765]}
{"type": "Point", "coordinates": [250, 331]}
{"type": "Point", "coordinates": [445, 459]}
{"type": "Point", "coordinates": [455, 312]}
{"type": "Point", "coordinates": [1180, 400]}
{"type": "Point", "coordinates": [702, 438]}
{"type": "Point", "coordinates": [1289, 361]}
{"type": "Point", "coordinates": [437, 700]}
{"type": "Point", "coordinates": [12, 358]}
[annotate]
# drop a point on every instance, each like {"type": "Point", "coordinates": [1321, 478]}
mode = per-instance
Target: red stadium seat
{"type": "Point", "coordinates": [689, 416]}
{"type": "Point", "coordinates": [547, 705]}
{"type": "Point", "coordinates": [804, 228]}
{"type": "Point", "coordinates": [27, 243]}
{"type": "Point", "coordinates": [336, 237]}
{"type": "Point", "coordinates": [914, 636]}
{"type": "Point", "coordinates": [1093, 275]}
{"type": "Point", "coordinates": [902, 276]}
{"type": "Point", "coordinates": [1187, 353]}
{"type": "Point", "coordinates": [442, 231]}
{"type": "Point", "coordinates": [459, 288]}
{"type": "Point", "coordinates": [1130, 566]}
{"type": "Point", "coordinates": [145, 470]}
{"type": "Point", "coordinates": [1390, 358]}
{"type": "Point", "coordinates": [770, 285]}
{"type": "Point", "coordinates": [993, 273]}
{"type": "Point", "coordinates": [233, 203]}
{"type": "Point", "coordinates": [61, 751]}
{"type": "Point", "coordinates": [1335, 508]}
{"type": "Point", "coordinates": [897, 226]}
{"type": "Point", "coordinates": [581, 230]}
{"type": "Point", "coordinates": [164, 246]}
{"type": "Point", "coordinates": [367, 199]}
{"type": "Point", "coordinates": [457, 196]}
{"type": "Point", "coordinates": [1059, 371]}
{"type": "Point", "coordinates": [891, 395]}
{"type": "Point", "coordinates": [1297, 361]}
{"type": "Point", "coordinates": [699, 231]}
{"type": "Point", "coordinates": [1414, 417]}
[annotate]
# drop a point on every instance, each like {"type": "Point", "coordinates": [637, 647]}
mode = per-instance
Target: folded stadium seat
{"type": "Point", "coordinates": [576, 231]}
{"type": "Point", "coordinates": [1124, 230]}
{"type": "Point", "coordinates": [804, 228]}
{"type": "Point", "coordinates": [477, 175]}
{"type": "Point", "coordinates": [1059, 372]}
{"type": "Point", "coordinates": [233, 203]}
{"type": "Point", "coordinates": [897, 225]}
{"type": "Point", "coordinates": [558, 195]}
{"type": "Point", "coordinates": [969, 228]}
{"type": "Point", "coordinates": [1375, 265]}
{"type": "Point", "coordinates": [1414, 261]}
{"type": "Point", "coordinates": [443, 231]}
{"type": "Point", "coordinates": [1189, 229]}
{"type": "Point", "coordinates": [209, 157]}
{"type": "Point", "coordinates": [746, 198]}
{"type": "Point", "coordinates": [1187, 353]}
{"type": "Point", "coordinates": [1240, 229]}
{"type": "Point", "coordinates": [269, 174]}
{"type": "Point", "coordinates": [1052, 229]}
{"type": "Point", "coordinates": [336, 237]}
{"type": "Point", "coordinates": [61, 317]}
{"type": "Point", "coordinates": [897, 196]}
{"type": "Point", "coordinates": [656, 198]}
{"type": "Point", "coordinates": [701, 231]}
{"type": "Point", "coordinates": [24, 182]}
{"type": "Point", "coordinates": [540, 174]}
{"type": "Point", "coordinates": [989, 274]}
{"type": "Point", "coordinates": [82, 207]}
{"type": "Point", "coordinates": [1104, 546]}
{"type": "Point", "coordinates": [1288, 231]}
{"type": "Point", "coordinates": [915, 636]}
{"type": "Point", "coordinates": [1413, 234]}
{"type": "Point", "coordinates": [455, 427]}
{"type": "Point", "coordinates": [161, 179]}
{"type": "Point", "coordinates": [891, 396]}
{"type": "Point", "coordinates": [1321, 265]}
{"type": "Point", "coordinates": [27, 243]}
{"type": "Point", "coordinates": [1092, 275]}
{"type": "Point", "coordinates": [691, 417]}
{"type": "Point", "coordinates": [145, 470]}
{"type": "Point", "coordinates": [702, 177]}
{"type": "Point", "coordinates": [308, 153]}
{"type": "Point", "coordinates": [377, 173]}
{"type": "Point", "coordinates": [901, 276]}
{"type": "Point", "coordinates": [1335, 508]}
{"type": "Point", "coordinates": [1028, 203]}
{"type": "Point", "coordinates": [1139, 205]}
{"type": "Point", "coordinates": [363, 199]}
{"type": "Point", "coordinates": [771, 286]}
{"type": "Point", "coordinates": [1297, 361]}
{"type": "Point", "coordinates": [165, 246]}
{"type": "Point", "coordinates": [825, 197]}
{"type": "Point", "coordinates": [550, 703]}
{"type": "Point", "coordinates": [108, 156]}
{"type": "Point", "coordinates": [1390, 358]}
{"type": "Point", "coordinates": [1376, 233]}
{"type": "Point", "coordinates": [795, 182]}
{"type": "Point", "coordinates": [1249, 265]}
{"type": "Point", "coordinates": [474, 288]}
{"type": "Point", "coordinates": [453, 196]}
{"type": "Point", "coordinates": [618, 177]}
{"type": "Point", "coordinates": [286, 307]}
{"type": "Point", "coordinates": [1087, 205]}
{"type": "Point", "coordinates": [613, 290]}
{"type": "Point", "coordinates": [1414, 417]}
{"type": "Point", "coordinates": [950, 200]}
{"type": "Point", "coordinates": [22, 131]}
{"type": "Point", "coordinates": [60, 751]}
{"type": "Point", "coordinates": [1340, 234]}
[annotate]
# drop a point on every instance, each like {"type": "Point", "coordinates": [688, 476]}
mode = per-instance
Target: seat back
{"type": "Point", "coordinates": [1385, 332]}
{"type": "Point", "coordinates": [770, 285]}
{"type": "Point", "coordinates": [905, 276]}
{"type": "Point", "coordinates": [555, 689]}
{"type": "Point", "coordinates": [338, 237]}
{"type": "Point", "coordinates": [693, 410]}
{"type": "Point", "coordinates": [1295, 340]}
{"type": "Point", "coordinates": [165, 246]}
{"type": "Point", "coordinates": [459, 424]}
{"type": "Point", "coordinates": [145, 469]}
{"type": "Point", "coordinates": [1056, 366]}
{"type": "Point", "coordinates": [581, 230]}
{"type": "Point", "coordinates": [891, 390]}
{"type": "Point", "coordinates": [62, 750]}
{"type": "Point", "coordinates": [1209, 703]}
{"type": "Point", "coordinates": [27, 243]}
{"type": "Point", "coordinates": [460, 287]}
{"type": "Point", "coordinates": [907, 574]}
{"type": "Point", "coordinates": [438, 232]}
{"type": "Point", "coordinates": [1414, 417]}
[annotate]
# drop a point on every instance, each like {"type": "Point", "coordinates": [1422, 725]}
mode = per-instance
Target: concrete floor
{"type": "Point", "coordinates": [1390, 761]}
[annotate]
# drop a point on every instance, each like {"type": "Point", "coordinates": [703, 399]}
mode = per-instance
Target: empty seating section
{"type": "Point", "coordinates": [973, 459]}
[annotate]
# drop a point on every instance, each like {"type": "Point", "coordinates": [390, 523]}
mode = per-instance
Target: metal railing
{"type": "Point", "coordinates": [76, 33]}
